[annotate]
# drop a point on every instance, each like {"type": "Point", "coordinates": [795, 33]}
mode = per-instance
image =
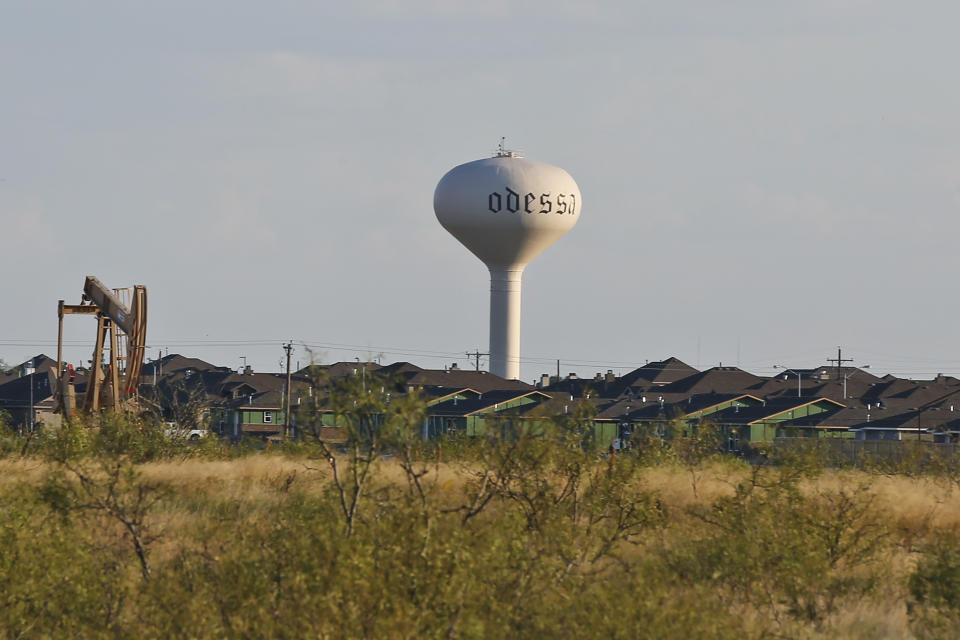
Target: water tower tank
{"type": "Point", "coordinates": [506, 210]}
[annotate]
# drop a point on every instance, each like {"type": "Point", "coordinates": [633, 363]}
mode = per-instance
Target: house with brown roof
{"type": "Point", "coordinates": [28, 397]}
{"type": "Point", "coordinates": [473, 416]}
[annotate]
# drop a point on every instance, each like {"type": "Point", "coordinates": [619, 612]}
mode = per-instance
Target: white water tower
{"type": "Point", "coordinates": [506, 210]}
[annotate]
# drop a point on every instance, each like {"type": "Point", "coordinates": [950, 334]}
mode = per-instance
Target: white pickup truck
{"type": "Point", "coordinates": [179, 433]}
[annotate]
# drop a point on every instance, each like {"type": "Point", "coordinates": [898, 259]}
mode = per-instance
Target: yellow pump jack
{"type": "Point", "coordinates": [121, 332]}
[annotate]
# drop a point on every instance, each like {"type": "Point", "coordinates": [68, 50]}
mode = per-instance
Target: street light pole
{"type": "Point", "coordinates": [796, 373]}
{"type": "Point", "coordinates": [866, 366]}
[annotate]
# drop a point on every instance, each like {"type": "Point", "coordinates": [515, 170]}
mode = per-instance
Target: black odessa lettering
{"type": "Point", "coordinates": [513, 200]}
{"type": "Point", "coordinates": [545, 203]}
{"type": "Point", "coordinates": [561, 203]}
{"type": "Point", "coordinates": [494, 202]}
{"type": "Point", "coordinates": [527, 199]}
{"type": "Point", "coordinates": [573, 204]}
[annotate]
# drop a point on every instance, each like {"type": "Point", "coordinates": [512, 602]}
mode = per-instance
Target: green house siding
{"type": "Point", "coordinates": [764, 431]}
{"type": "Point", "coordinates": [463, 395]}
{"type": "Point", "coordinates": [439, 426]}
{"type": "Point", "coordinates": [788, 431]}
{"type": "Point", "coordinates": [778, 424]}
{"type": "Point", "coordinates": [332, 420]}
{"type": "Point", "coordinates": [225, 419]}
{"type": "Point", "coordinates": [476, 423]}
{"type": "Point", "coordinates": [604, 433]}
{"type": "Point", "coordinates": [257, 417]}
{"type": "Point", "coordinates": [736, 402]}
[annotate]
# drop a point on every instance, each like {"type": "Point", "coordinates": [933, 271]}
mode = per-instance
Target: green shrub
{"type": "Point", "coordinates": [934, 587]}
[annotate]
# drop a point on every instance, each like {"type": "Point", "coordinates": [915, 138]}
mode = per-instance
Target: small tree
{"type": "Point", "coordinates": [373, 423]}
{"type": "Point", "coordinates": [96, 474]}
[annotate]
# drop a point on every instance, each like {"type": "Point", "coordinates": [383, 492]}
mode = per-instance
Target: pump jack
{"type": "Point", "coordinates": [122, 331]}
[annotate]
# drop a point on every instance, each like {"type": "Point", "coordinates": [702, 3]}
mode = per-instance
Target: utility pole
{"type": "Point", "coordinates": [286, 413]}
{"type": "Point", "coordinates": [30, 370]}
{"type": "Point", "coordinates": [839, 360]}
{"type": "Point", "coordinates": [476, 356]}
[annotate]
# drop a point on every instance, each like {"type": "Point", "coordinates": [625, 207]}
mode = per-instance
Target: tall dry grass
{"type": "Point", "coordinates": [909, 502]}
{"type": "Point", "coordinates": [917, 509]}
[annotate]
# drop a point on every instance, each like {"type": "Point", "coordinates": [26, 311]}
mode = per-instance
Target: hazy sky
{"type": "Point", "coordinates": [762, 181]}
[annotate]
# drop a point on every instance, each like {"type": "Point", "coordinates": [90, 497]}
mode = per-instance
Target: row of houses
{"type": "Point", "coordinates": [823, 402]}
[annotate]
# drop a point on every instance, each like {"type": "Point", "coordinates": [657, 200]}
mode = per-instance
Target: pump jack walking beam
{"type": "Point", "coordinates": [132, 321]}
{"type": "Point", "coordinates": [112, 316]}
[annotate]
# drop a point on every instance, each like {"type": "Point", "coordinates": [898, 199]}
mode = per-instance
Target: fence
{"type": "Point", "coordinates": [842, 451]}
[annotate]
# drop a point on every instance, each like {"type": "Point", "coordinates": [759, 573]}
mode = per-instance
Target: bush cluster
{"type": "Point", "coordinates": [522, 533]}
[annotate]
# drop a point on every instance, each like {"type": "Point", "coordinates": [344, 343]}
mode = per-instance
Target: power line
{"type": "Point", "coordinates": [914, 366]}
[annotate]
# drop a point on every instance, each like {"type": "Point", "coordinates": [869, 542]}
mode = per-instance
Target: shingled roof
{"type": "Point", "coordinates": [341, 369]}
{"type": "Point", "coordinates": [716, 380]}
{"type": "Point", "coordinates": [900, 393]}
{"type": "Point", "coordinates": [16, 392]}
{"type": "Point", "coordinates": [481, 381]}
{"type": "Point", "coordinates": [174, 363]}
{"type": "Point", "coordinates": [659, 373]}
{"type": "Point", "coordinates": [465, 407]}
{"type": "Point", "coordinates": [769, 409]}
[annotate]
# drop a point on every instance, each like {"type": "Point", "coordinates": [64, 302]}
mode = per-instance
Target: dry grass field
{"type": "Point", "coordinates": [519, 537]}
{"type": "Point", "coordinates": [914, 503]}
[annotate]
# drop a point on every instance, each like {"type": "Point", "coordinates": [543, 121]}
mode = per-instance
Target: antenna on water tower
{"type": "Point", "coordinates": [506, 210]}
{"type": "Point", "coordinates": [503, 152]}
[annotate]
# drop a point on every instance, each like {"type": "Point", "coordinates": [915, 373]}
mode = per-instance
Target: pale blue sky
{"type": "Point", "coordinates": [764, 180]}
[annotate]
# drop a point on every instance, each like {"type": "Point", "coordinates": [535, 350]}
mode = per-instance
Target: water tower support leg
{"type": "Point", "coordinates": [505, 285]}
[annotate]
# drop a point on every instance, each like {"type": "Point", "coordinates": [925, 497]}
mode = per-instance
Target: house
{"type": "Point", "coordinates": [650, 375]}
{"type": "Point", "coordinates": [197, 394]}
{"type": "Point", "coordinates": [651, 415]}
{"type": "Point", "coordinates": [776, 417]}
{"type": "Point", "coordinates": [472, 415]}
{"type": "Point", "coordinates": [258, 414]}
{"type": "Point", "coordinates": [28, 397]}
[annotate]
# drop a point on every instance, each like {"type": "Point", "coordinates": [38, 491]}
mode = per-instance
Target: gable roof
{"type": "Point", "coordinates": [436, 395]}
{"type": "Point", "coordinates": [399, 367]}
{"type": "Point", "coordinates": [340, 369]}
{"type": "Point", "coordinates": [172, 363]}
{"type": "Point", "coordinates": [716, 380]}
{"type": "Point", "coordinates": [481, 381]}
{"type": "Point", "coordinates": [771, 409]}
{"type": "Point", "coordinates": [16, 392]}
{"type": "Point", "coordinates": [660, 372]}
{"type": "Point", "coordinates": [829, 372]}
{"type": "Point", "coordinates": [484, 402]}
{"type": "Point", "coordinates": [42, 363]}
{"type": "Point", "coordinates": [653, 375]}
{"type": "Point", "coordinates": [909, 393]}
{"type": "Point", "coordinates": [860, 418]}
{"type": "Point", "coordinates": [650, 408]}
{"type": "Point", "coordinates": [265, 400]}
